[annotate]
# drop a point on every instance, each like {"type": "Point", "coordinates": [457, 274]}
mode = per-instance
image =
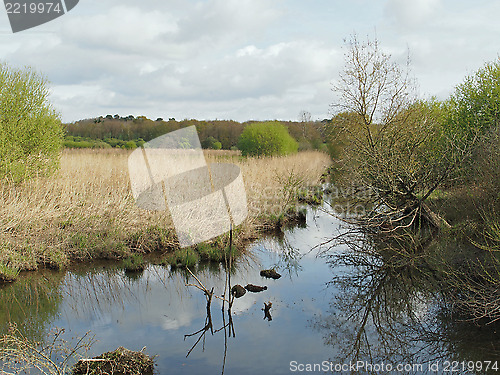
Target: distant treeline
{"type": "Point", "coordinates": [130, 132]}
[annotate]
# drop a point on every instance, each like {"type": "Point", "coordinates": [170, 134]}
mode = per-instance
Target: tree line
{"type": "Point", "coordinates": [130, 132]}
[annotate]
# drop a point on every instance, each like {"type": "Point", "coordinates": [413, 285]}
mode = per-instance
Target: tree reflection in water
{"type": "Point", "coordinates": [227, 328]}
{"type": "Point", "coordinates": [31, 303]}
{"type": "Point", "coordinates": [389, 308]}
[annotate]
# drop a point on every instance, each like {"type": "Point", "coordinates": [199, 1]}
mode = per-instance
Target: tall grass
{"type": "Point", "coordinates": [86, 210]}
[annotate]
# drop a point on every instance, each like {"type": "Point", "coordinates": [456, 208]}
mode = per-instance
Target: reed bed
{"type": "Point", "coordinates": [86, 210]}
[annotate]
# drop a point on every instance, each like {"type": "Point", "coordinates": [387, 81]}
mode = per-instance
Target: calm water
{"type": "Point", "coordinates": [321, 311]}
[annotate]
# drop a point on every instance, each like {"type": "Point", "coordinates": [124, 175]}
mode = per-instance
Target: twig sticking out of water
{"type": "Point", "coordinates": [266, 309]}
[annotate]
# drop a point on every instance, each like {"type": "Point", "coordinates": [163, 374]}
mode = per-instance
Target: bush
{"type": "Point", "coordinates": [266, 139]}
{"type": "Point", "coordinates": [211, 143]}
{"type": "Point", "coordinates": [30, 130]}
{"type": "Point", "coordinates": [130, 145]}
{"type": "Point", "coordinates": [86, 143]}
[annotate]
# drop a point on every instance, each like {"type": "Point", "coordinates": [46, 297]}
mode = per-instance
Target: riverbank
{"type": "Point", "coordinates": [86, 210]}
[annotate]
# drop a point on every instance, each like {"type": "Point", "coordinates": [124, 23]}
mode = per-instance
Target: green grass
{"type": "Point", "coordinates": [7, 273]}
{"type": "Point", "coordinates": [134, 263]}
{"type": "Point", "coordinates": [186, 257]}
{"type": "Point", "coordinates": [210, 253]}
{"type": "Point", "coordinates": [202, 253]}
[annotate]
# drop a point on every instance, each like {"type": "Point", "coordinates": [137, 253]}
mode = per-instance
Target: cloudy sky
{"type": "Point", "coordinates": [241, 59]}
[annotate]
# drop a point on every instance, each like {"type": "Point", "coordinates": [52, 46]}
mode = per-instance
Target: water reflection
{"type": "Point", "coordinates": [344, 306]}
{"type": "Point", "coordinates": [388, 309]}
{"type": "Point", "coordinates": [32, 303]}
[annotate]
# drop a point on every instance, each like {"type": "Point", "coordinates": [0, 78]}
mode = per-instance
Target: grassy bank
{"type": "Point", "coordinates": [86, 210]}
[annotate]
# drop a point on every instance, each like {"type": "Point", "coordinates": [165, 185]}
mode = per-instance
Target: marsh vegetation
{"type": "Point", "coordinates": [86, 211]}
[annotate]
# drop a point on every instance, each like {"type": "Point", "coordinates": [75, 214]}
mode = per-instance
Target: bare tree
{"type": "Point", "coordinates": [393, 143]}
{"type": "Point", "coordinates": [305, 118]}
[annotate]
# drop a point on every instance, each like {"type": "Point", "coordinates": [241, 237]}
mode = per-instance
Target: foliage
{"type": "Point", "coordinates": [266, 139]}
{"type": "Point", "coordinates": [391, 140]}
{"type": "Point", "coordinates": [475, 104]}
{"type": "Point", "coordinates": [474, 118]}
{"type": "Point", "coordinates": [130, 145]}
{"type": "Point", "coordinates": [122, 129]}
{"type": "Point", "coordinates": [473, 121]}
{"type": "Point", "coordinates": [211, 143]}
{"type": "Point", "coordinates": [79, 142]}
{"type": "Point", "coordinates": [116, 130]}
{"type": "Point", "coordinates": [30, 130]}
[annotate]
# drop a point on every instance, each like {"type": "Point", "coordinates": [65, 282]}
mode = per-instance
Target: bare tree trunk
{"type": "Point", "coordinates": [432, 218]}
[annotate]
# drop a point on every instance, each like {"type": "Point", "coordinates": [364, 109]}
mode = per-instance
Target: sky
{"type": "Point", "coordinates": [241, 59]}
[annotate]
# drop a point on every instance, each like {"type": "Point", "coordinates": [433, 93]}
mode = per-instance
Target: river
{"type": "Point", "coordinates": [326, 315]}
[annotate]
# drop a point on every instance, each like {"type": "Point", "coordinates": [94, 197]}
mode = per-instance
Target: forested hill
{"type": "Point", "coordinates": [130, 132]}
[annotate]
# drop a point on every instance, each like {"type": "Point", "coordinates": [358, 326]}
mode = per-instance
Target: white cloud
{"type": "Point", "coordinates": [121, 28]}
{"type": "Point", "coordinates": [447, 39]}
{"type": "Point", "coordinates": [415, 13]}
{"type": "Point", "coordinates": [239, 59]}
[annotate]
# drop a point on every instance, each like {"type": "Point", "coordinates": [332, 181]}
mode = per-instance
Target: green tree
{"type": "Point", "coordinates": [266, 139]}
{"type": "Point", "coordinates": [209, 143]}
{"type": "Point", "coordinates": [475, 104]}
{"type": "Point", "coordinates": [473, 122]}
{"type": "Point", "coordinates": [30, 129]}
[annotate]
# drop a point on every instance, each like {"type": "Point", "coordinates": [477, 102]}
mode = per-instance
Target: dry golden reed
{"type": "Point", "coordinates": [86, 210]}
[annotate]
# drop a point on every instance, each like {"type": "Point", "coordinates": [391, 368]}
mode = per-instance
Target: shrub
{"type": "Point", "coordinates": [30, 129]}
{"type": "Point", "coordinates": [130, 145]}
{"type": "Point", "coordinates": [474, 104]}
{"type": "Point", "coordinates": [266, 139]}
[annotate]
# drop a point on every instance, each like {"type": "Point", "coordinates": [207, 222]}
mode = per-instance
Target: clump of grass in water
{"type": "Point", "coordinates": [186, 257]}
{"type": "Point", "coordinates": [313, 197]}
{"type": "Point", "coordinates": [209, 253]}
{"type": "Point", "coordinates": [204, 252]}
{"type": "Point", "coordinates": [215, 253]}
{"type": "Point", "coordinates": [134, 263]}
{"type": "Point", "coordinates": [8, 274]}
